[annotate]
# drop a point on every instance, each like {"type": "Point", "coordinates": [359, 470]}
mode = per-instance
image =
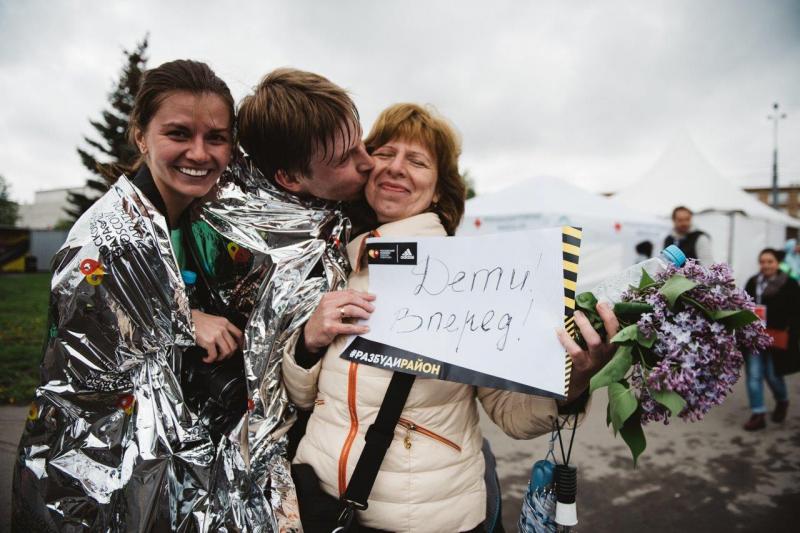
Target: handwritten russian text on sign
{"type": "Point", "coordinates": [480, 310]}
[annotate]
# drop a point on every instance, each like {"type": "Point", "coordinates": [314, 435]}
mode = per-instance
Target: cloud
{"type": "Point", "coordinates": [587, 91]}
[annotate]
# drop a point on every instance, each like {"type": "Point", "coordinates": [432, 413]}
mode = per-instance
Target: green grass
{"type": "Point", "coordinates": [23, 318]}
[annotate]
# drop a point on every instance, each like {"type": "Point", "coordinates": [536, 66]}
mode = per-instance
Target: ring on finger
{"type": "Point", "coordinates": [342, 314]}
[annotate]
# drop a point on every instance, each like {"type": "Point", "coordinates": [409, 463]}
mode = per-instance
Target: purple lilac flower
{"type": "Point", "coordinates": [694, 356]}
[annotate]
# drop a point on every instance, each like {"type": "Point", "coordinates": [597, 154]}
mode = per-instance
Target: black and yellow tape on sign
{"type": "Point", "coordinates": [571, 248]}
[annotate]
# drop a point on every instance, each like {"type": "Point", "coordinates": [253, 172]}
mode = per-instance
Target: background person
{"type": "Point", "coordinates": [780, 294]}
{"type": "Point", "coordinates": [790, 262]}
{"type": "Point", "coordinates": [694, 243]}
{"type": "Point", "coordinates": [432, 479]}
{"type": "Point", "coordinates": [644, 251]}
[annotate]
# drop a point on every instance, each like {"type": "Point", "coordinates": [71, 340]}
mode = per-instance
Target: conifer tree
{"type": "Point", "coordinates": [9, 209]}
{"type": "Point", "coordinates": [112, 154]}
{"type": "Point", "coordinates": [470, 183]}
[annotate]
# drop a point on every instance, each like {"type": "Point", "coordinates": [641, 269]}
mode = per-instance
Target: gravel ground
{"type": "Point", "coordinates": [709, 477]}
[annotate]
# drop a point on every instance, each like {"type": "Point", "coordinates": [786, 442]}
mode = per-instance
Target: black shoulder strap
{"type": "Point", "coordinates": [378, 438]}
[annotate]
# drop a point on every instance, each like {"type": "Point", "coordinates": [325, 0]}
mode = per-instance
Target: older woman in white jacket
{"type": "Point", "coordinates": [432, 477]}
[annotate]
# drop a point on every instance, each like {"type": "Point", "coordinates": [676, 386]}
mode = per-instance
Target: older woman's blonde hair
{"type": "Point", "coordinates": [414, 123]}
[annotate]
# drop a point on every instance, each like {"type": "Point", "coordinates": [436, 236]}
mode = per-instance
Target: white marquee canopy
{"type": "Point", "coordinates": [611, 229]}
{"type": "Point", "coordinates": [739, 224]}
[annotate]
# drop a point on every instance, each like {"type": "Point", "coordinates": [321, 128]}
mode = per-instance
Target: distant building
{"type": "Point", "coordinates": [47, 208]}
{"type": "Point", "coordinates": [788, 197]}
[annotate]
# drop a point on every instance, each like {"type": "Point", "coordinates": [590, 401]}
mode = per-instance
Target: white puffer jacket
{"type": "Point", "coordinates": [432, 476]}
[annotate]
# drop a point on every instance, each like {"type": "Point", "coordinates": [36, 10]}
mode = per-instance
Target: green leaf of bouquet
{"type": "Point", "coordinates": [645, 341]}
{"type": "Point", "coordinates": [669, 399]}
{"type": "Point", "coordinates": [629, 333]}
{"type": "Point", "coordinates": [631, 311]}
{"type": "Point", "coordinates": [675, 286]}
{"type": "Point", "coordinates": [608, 417]}
{"type": "Point", "coordinates": [622, 403]}
{"type": "Point", "coordinates": [646, 279]}
{"type": "Point", "coordinates": [633, 435]}
{"type": "Point", "coordinates": [587, 302]}
{"type": "Point", "coordinates": [614, 370]}
{"type": "Point", "coordinates": [734, 319]}
{"type": "Point", "coordinates": [698, 305]}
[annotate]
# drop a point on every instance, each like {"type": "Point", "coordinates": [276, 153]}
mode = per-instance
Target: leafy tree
{"type": "Point", "coordinates": [112, 155]}
{"type": "Point", "coordinates": [9, 209]}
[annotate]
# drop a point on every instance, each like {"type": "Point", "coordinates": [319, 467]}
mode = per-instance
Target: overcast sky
{"type": "Point", "coordinates": [591, 91]}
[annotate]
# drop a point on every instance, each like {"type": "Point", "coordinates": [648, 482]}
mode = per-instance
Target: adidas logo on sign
{"type": "Point", "coordinates": [407, 255]}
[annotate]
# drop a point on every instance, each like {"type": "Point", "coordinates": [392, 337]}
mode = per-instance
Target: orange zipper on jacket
{"type": "Point", "coordinates": [351, 390]}
{"type": "Point", "coordinates": [411, 426]}
{"type": "Point", "coordinates": [351, 436]}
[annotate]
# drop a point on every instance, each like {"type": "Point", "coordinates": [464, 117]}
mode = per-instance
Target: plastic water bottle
{"type": "Point", "coordinates": [611, 289]}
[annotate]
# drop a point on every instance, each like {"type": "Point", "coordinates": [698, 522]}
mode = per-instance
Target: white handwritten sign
{"type": "Point", "coordinates": [480, 310]}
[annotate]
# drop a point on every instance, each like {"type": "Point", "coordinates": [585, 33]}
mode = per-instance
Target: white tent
{"type": "Point", "coordinates": [611, 230]}
{"type": "Point", "coordinates": [739, 225]}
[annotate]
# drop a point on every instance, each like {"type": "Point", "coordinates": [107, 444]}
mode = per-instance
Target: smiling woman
{"type": "Point", "coordinates": [390, 195]}
{"type": "Point", "coordinates": [186, 146]}
{"type": "Point", "coordinates": [415, 189]}
{"type": "Point", "coordinates": [182, 123]}
{"type": "Point", "coordinates": [416, 155]}
{"type": "Point", "coordinates": [439, 477]}
{"type": "Point", "coordinates": [121, 285]}
{"type": "Point", "coordinates": [183, 133]}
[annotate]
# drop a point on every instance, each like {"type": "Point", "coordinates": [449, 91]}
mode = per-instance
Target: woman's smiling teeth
{"type": "Point", "coordinates": [194, 172]}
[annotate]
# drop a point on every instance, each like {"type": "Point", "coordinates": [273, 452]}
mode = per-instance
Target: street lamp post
{"type": "Point", "coordinates": [775, 117]}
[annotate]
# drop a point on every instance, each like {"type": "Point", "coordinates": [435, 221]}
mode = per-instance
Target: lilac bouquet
{"type": "Point", "coordinates": [680, 347]}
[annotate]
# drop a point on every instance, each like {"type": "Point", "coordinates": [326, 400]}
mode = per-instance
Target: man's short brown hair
{"type": "Point", "coordinates": [412, 122]}
{"type": "Point", "coordinates": [290, 115]}
{"type": "Point", "coordinates": [679, 209]}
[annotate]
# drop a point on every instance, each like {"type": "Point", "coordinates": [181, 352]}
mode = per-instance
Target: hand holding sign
{"type": "Point", "coordinates": [586, 363]}
{"type": "Point", "coordinates": [330, 318]}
